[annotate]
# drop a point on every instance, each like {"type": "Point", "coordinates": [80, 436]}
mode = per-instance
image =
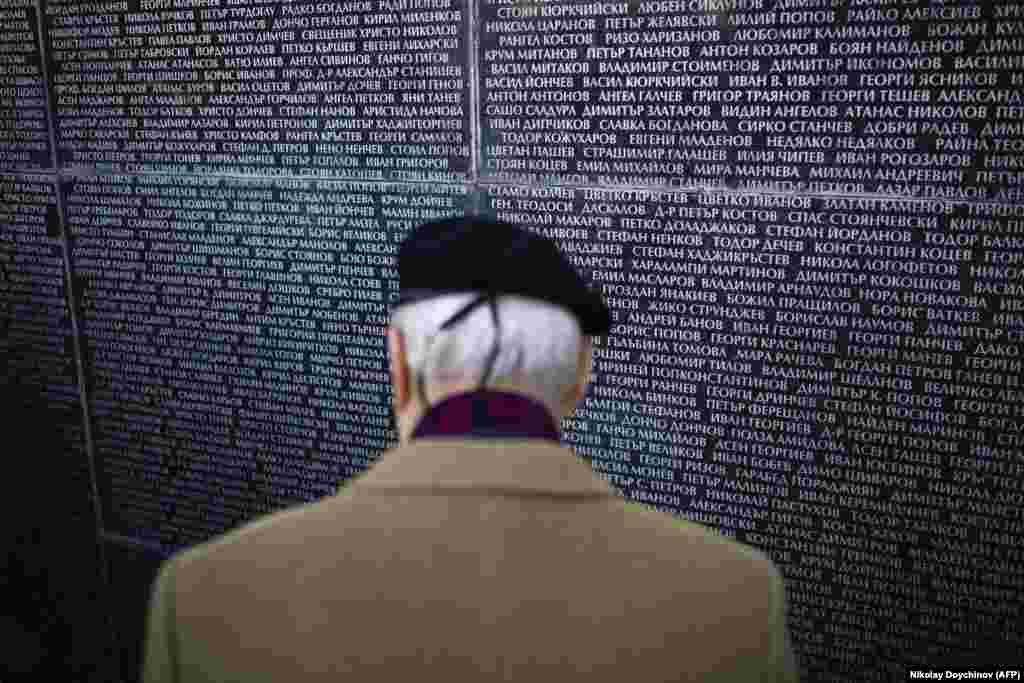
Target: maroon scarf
{"type": "Point", "coordinates": [488, 414]}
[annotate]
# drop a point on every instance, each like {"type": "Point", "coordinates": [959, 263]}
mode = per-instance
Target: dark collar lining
{"type": "Point", "coordinates": [488, 414]}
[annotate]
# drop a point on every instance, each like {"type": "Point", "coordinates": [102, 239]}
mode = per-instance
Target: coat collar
{"type": "Point", "coordinates": [511, 466]}
{"type": "Point", "coordinates": [485, 440]}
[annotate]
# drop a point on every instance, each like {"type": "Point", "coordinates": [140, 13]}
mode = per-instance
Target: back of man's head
{"type": "Point", "coordinates": [539, 346]}
{"type": "Point", "coordinates": [487, 304]}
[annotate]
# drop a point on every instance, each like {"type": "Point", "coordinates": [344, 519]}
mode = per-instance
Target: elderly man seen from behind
{"type": "Point", "coordinates": [479, 549]}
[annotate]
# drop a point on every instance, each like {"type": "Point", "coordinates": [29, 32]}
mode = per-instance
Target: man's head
{"type": "Point", "coordinates": [482, 299]}
{"type": "Point", "coordinates": [542, 354]}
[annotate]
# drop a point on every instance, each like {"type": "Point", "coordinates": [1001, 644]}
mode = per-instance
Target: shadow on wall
{"type": "Point", "coordinates": [132, 572]}
{"type": "Point", "coordinates": [52, 625]}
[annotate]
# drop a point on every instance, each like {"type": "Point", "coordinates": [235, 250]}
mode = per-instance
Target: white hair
{"type": "Point", "coordinates": [540, 344]}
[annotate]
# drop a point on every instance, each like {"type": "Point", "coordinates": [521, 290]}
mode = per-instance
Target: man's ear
{"type": "Point", "coordinates": [585, 367]}
{"type": "Point", "coordinates": [399, 366]}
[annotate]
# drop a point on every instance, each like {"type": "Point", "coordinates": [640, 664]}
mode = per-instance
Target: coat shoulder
{"type": "Point", "coordinates": [268, 527]}
{"type": "Point", "coordinates": [710, 539]}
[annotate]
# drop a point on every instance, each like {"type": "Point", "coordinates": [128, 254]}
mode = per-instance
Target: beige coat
{"type": "Point", "coordinates": [458, 559]}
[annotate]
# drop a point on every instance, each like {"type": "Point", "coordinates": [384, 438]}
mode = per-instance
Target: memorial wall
{"type": "Point", "coordinates": [807, 217]}
{"type": "Point", "coordinates": [52, 621]}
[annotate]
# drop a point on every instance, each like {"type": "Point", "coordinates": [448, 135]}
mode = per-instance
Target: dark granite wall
{"type": "Point", "coordinates": [807, 215]}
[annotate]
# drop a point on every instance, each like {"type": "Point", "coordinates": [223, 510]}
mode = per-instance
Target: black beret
{"type": "Point", "coordinates": [480, 254]}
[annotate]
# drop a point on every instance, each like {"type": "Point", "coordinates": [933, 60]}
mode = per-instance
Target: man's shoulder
{"type": "Point", "coordinates": [684, 534]}
{"type": "Point", "coordinates": [262, 530]}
